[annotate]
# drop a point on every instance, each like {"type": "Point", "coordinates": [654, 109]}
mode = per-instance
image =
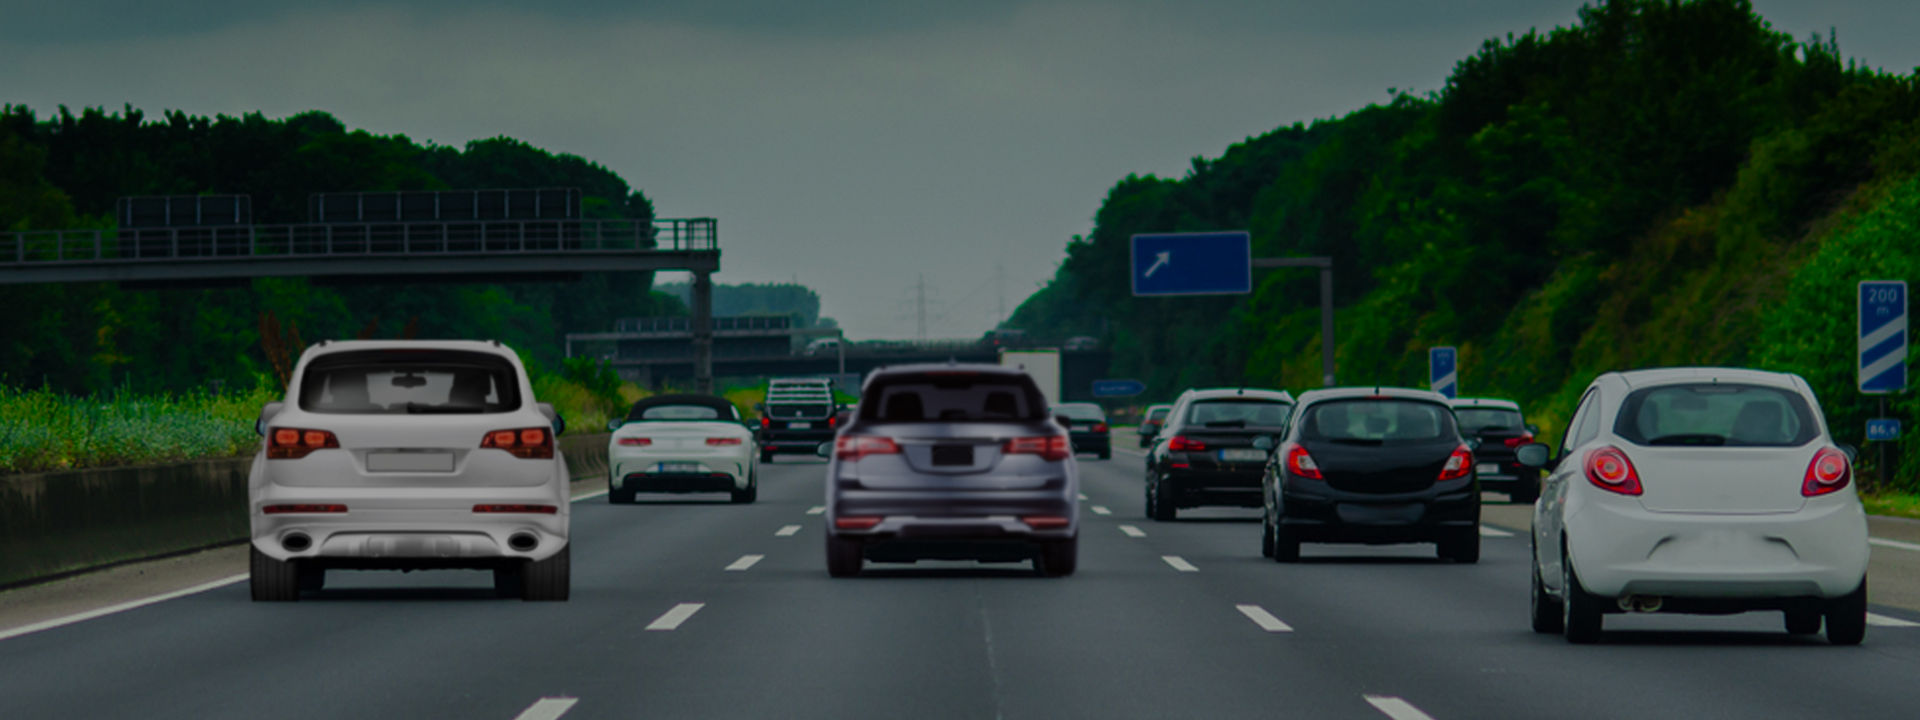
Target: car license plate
{"type": "Point", "coordinates": [403, 461]}
{"type": "Point", "coordinates": [801, 425]}
{"type": "Point", "coordinates": [1489, 467]}
{"type": "Point", "coordinates": [1243, 455]}
{"type": "Point", "coordinates": [679, 467]}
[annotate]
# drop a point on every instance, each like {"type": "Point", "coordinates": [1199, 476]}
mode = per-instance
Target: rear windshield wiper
{"type": "Point", "coordinates": [418, 409]}
{"type": "Point", "coordinates": [1356, 441]}
{"type": "Point", "coordinates": [1689, 439]}
{"type": "Point", "coordinates": [1225, 423]}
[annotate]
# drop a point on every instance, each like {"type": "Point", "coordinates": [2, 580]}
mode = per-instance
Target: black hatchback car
{"type": "Point", "coordinates": [1087, 428]}
{"type": "Point", "coordinates": [1206, 454]}
{"type": "Point", "coordinates": [1375, 466]}
{"type": "Point", "coordinates": [1499, 429]}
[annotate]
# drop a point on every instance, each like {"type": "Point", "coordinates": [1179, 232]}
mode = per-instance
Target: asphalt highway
{"type": "Point", "coordinates": [694, 608]}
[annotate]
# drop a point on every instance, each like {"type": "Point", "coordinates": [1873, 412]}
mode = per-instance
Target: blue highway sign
{"type": "Point", "coordinates": [1214, 263]}
{"type": "Point", "coordinates": [1443, 371]}
{"type": "Point", "coordinates": [1883, 336]}
{"type": "Point", "coordinates": [1883, 429]}
{"type": "Point", "coordinates": [1118, 388]}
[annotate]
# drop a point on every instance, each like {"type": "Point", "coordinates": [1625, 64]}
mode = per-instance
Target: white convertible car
{"type": "Point", "coordinates": [682, 444]}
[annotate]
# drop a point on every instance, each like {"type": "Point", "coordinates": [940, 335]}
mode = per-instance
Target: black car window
{"type": "Point", "coordinates": [1158, 414]}
{"type": "Point", "coordinates": [1378, 421]}
{"type": "Point", "coordinates": [374, 382]}
{"type": "Point", "coordinates": [681, 413]}
{"type": "Point", "coordinates": [952, 397]}
{"type": "Point", "coordinates": [1237, 412]}
{"type": "Point", "coordinates": [1081, 411]}
{"type": "Point", "coordinates": [1716, 414]}
{"type": "Point", "coordinates": [799, 411]}
{"type": "Point", "coordinates": [1473, 420]}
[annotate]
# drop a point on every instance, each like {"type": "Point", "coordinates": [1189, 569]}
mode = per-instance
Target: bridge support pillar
{"type": "Point", "coordinates": [702, 332]}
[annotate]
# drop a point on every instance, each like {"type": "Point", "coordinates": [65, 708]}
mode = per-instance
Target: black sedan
{"type": "Point", "coordinates": [1087, 428]}
{"type": "Point", "coordinates": [1375, 466]}
{"type": "Point", "coordinates": [1207, 454]}
{"type": "Point", "coordinates": [1500, 429]}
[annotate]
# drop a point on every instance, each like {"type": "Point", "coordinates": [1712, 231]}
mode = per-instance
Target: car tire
{"type": "Point", "coordinates": [548, 580]}
{"type": "Point", "coordinates": [1526, 492]}
{"type": "Point", "coordinates": [1803, 621]}
{"type": "Point", "coordinates": [312, 579]}
{"type": "Point", "coordinates": [742, 497]}
{"type": "Point", "coordinates": [766, 456]}
{"type": "Point", "coordinates": [1267, 535]}
{"type": "Point", "coordinates": [1461, 546]}
{"type": "Point", "coordinates": [1580, 611]}
{"type": "Point", "coordinates": [272, 580]}
{"type": "Point", "coordinates": [1847, 617]}
{"type": "Point", "coordinates": [621, 496]}
{"type": "Point", "coordinates": [1543, 609]}
{"type": "Point", "coordinates": [1058, 558]}
{"type": "Point", "coordinates": [1106, 454]}
{"type": "Point", "coordinates": [1160, 504]}
{"type": "Point", "coordinates": [1286, 545]}
{"type": "Point", "coordinates": [844, 557]}
{"type": "Point", "coordinates": [507, 582]}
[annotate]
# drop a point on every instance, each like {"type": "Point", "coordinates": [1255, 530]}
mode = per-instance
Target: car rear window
{"type": "Point", "coordinates": [681, 413]}
{"type": "Point", "coordinates": [1081, 411]}
{"type": "Point", "coordinates": [1378, 421]}
{"type": "Point", "coordinates": [797, 411]}
{"type": "Point", "coordinates": [376, 382]}
{"type": "Point", "coordinates": [1158, 414]}
{"type": "Point", "coordinates": [952, 397]}
{"type": "Point", "coordinates": [1716, 414]}
{"type": "Point", "coordinates": [1473, 420]}
{"type": "Point", "coordinates": [1238, 412]}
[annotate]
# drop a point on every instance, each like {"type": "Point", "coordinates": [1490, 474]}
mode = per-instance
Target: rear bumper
{"type": "Point", "coordinates": [1818, 552]}
{"type": "Point", "coordinates": [409, 527]}
{"type": "Point", "coordinates": [1231, 488]}
{"type": "Point", "coordinates": [1090, 442]}
{"type": "Point", "coordinates": [987, 538]}
{"type": "Point", "coordinates": [1346, 517]}
{"type": "Point", "coordinates": [794, 441]}
{"type": "Point", "coordinates": [680, 482]}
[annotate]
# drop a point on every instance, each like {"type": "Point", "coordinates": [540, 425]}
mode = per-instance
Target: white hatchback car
{"type": "Point", "coordinates": [409, 455]}
{"type": "Point", "coordinates": [1698, 490]}
{"type": "Point", "coordinates": [682, 444]}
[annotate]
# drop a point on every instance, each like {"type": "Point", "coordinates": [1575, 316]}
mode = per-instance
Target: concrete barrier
{"type": "Point", "coordinates": [59, 523]}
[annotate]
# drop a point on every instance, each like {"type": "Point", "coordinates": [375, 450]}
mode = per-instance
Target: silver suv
{"type": "Point", "coordinates": [952, 462]}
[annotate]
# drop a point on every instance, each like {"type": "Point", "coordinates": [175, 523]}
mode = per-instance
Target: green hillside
{"type": "Point", "coordinates": [1662, 183]}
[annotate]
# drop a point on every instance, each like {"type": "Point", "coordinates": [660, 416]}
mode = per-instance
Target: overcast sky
{"type": "Point", "coordinates": [851, 146]}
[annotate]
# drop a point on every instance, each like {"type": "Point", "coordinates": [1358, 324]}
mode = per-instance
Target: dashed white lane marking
{"type": "Point", "coordinates": [1264, 619]}
{"type": "Point", "coordinates": [1179, 563]}
{"type": "Point", "coordinates": [1884, 621]}
{"type": "Point", "coordinates": [122, 607]}
{"type": "Point", "coordinates": [745, 561]}
{"type": "Point", "coordinates": [1132, 531]}
{"type": "Point", "coordinates": [1101, 510]}
{"type": "Point", "coordinates": [674, 617]}
{"type": "Point", "coordinates": [786, 531]}
{"type": "Point", "coordinates": [1396, 708]}
{"type": "Point", "coordinates": [1486, 531]}
{"type": "Point", "coordinates": [816, 510]}
{"type": "Point", "coordinates": [547, 708]}
{"type": "Point", "coordinates": [1083, 496]}
{"type": "Point", "coordinates": [1894, 544]}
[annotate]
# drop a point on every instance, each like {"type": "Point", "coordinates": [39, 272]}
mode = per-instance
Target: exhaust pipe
{"type": "Point", "coordinates": [523, 542]}
{"type": "Point", "coordinates": [296, 542]}
{"type": "Point", "coordinates": [1641, 603]}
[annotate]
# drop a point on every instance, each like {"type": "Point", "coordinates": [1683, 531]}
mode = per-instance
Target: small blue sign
{"type": "Point", "coordinates": [1883, 336]}
{"type": "Point", "coordinates": [1443, 371]}
{"type": "Point", "coordinates": [1215, 263]}
{"type": "Point", "coordinates": [1118, 388]}
{"type": "Point", "coordinates": [1883, 429]}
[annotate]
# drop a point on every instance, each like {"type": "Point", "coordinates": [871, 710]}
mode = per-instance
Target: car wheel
{"type": "Point", "coordinates": [1847, 617]}
{"type": "Point", "coordinates": [1461, 546]}
{"type": "Point", "coordinates": [748, 495]}
{"type": "Point", "coordinates": [766, 456]}
{"type": "Point", "coordinates": [1804, 621]}
{"type": "Point", "coordinates": [1161, 504]}
{"type": "Point", "coordinates": [844, 556]}
{"type": "Point", "coordinates": [549, 579]}
{"type": "Point", "coordinates": [1267, 538]}
{"type": "Point", "coordinates": [312, 579]}
{"type": "Point", "coordinates": [1543, 609]}
{"type": "Point", "coordinates": [1059, 558]}
{"type": "Point", "coordinates": [1526, 492]}
{"type": "Point", "coordinates": [272, 580]}
{"type": "Point", "coordinates": [1106, 454]}
{"type": "Point", "coordinates": [1286, 545]}
{"type": "Point", "coordinates": [1580, 611]}
{"type": "Point", "coordinates": [621, 496]}
{"type": "Point", "coordinates": [507, 581]}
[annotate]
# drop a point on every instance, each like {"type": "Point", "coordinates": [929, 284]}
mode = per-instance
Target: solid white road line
{"type": "Point", "coordinates": [786, 531]}
{"type": "Point", "coordinates": [1101, 510]}
{"type": "Point", "coordinates": [122, 607]}
{"type": "Point", "coordinates": [816, 510]}
{"type": "Point", "coordinates": [1132, 531]}
{"type": "Point", "coordinates": [1264, 619]}
{"type": "Point", "coordinates": [1486, 531]}
{"type": "Point", "coordinates": [1179, 563]}
{"type": "Point", "coordinates": [590, 496]}
{"type": "Point", "coordinates": [1396, 708]}
{"type": "Point", "coordinates": [1884, 621]}
{"type": "Point", "coordinates": [745, 561]}
{"type": "Point", "coordinates": [1893, 544]}
{"type": "Point", "coordinates": [674, 617]}
{"type": "Point", "coordinates": [547, 708]}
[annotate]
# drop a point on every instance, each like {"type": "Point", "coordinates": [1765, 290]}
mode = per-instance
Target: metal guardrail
{"type": "Point", "coordinates": [230, 242]}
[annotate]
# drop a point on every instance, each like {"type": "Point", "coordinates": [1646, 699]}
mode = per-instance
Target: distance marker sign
{"type": "Point", "coordinates": [1883, 336]}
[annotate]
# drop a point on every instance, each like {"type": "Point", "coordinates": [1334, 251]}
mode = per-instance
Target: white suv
{"type": "Point", "coordinates": [1698, 490]}
{"type": "Point", "coordinates": [409, 455]}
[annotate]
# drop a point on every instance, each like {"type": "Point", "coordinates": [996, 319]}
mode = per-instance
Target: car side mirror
{"type": "Point", "coordinates": [824, 449]}
{"type": "Point", "coordinates": [1065, 422]}
{"type": "Point", "coordinates": [1533, 429]}
{"type": "Point", "coordinates": [553, 417]}
{"type": "Point", "coordinates": [614, 424]}
{"type": "Point", "coordinates": [1851, 451]}
{"type": "Point", "coordinates": [1473, 443]}
{"type": "Point", "coordinates": [760, 407]}
{"type": "Point", "coordinates": [266, 416]}
{"type": "Point", "coordinates": [1264, 442]}
{"type": "Point", "coordinates": [1534, 455]}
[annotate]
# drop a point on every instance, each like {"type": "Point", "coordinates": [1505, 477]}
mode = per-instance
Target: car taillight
{"type": "Point", "coordinates": [859, 446]}
{"type": "Point", "coordinates": [1044, 522]}
{"type": "Point", "coordinates": [833, 421]}
{"type": "Point", "coordinates": [1458, 464]}
{"type": "Point", "coordinates": [1180, 443]}
{"type": "Point", "coordinates": [765, 421]}
{"type": "Point", "coordinates": [302, 509]}
{"type": "Point", "coordinates": [1099, 427]}
{"type": "Point", "coordinates": [1514, 442]}
{"type": "Point", "coordinates": [855, 523]}
{"type": "Point", "coordinates": [1049, 447]}
{"type": "Point", "coordinates": [530, 443]}
{"type": "Point", "coordinates": [634, 442]}
{"type": "Point", "coordinates": [534, 509]}
{"type": "Point", "coordinates": [295, 443]}
{"type": "Point", "coordinates": [1300, 463]}
{"type": "Point", "coordinates": [723, 441]}
{"type": "Point", "coordinates": [1828, 472]}
{"type": "Point", "coordinates": [1610, 470]}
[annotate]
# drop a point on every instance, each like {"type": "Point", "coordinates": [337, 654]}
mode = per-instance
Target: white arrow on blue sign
{"type": "Point", "coordinates": [1211, 263]}
{"type": "Point", "coordinates": [1443, 371]}
{"type": "Point", "coordinates": [1118, 388]}
{"type": "Point", "coordinates": [1883, 336]}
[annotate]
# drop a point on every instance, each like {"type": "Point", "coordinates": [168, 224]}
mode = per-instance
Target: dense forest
{"type": "Point", "coordinates": [1661, 183]}
{"type": "Point", "coordinates": [67, 170]}
{"type": "Point", "coordinates": [791, 299]}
